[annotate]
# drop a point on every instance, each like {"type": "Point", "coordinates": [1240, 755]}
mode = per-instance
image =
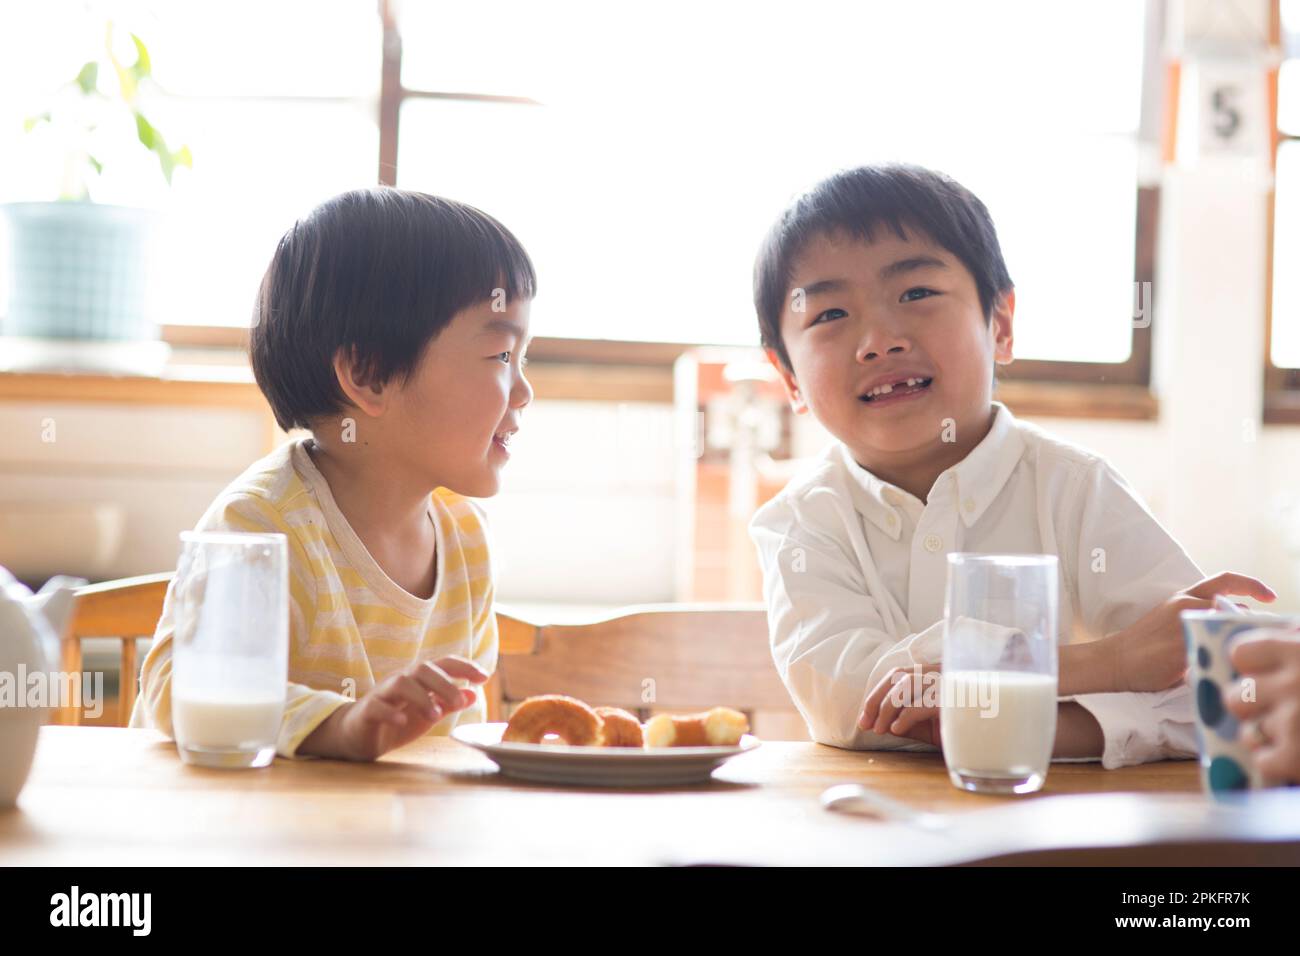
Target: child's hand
{"type": "Point", "coordinates": [1274, 664]}
{"type": "Point", "coordinates": [405, 705]}
{"type": "Point", "coordinates": [897, 705]}
{"type": "Point", "coordinates": [1150, 654]}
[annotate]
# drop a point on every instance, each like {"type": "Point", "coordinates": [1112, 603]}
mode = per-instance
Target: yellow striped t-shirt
{"type": "Point", "coordinates": [350, 625]}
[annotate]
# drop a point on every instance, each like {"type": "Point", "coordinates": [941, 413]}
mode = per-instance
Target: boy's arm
{"type": "Point", "coordinates": [1078, 735]}
{"type": "Point", "coordinates": [1126, 565]}
{"type": "Point", "coordinates": [486, 640]}
{"type": "Point", "coordinates": [828, 639]}
{"type": "Point", "coordinates": [305, 707]}
{"type": "Point", "coordinates": [485, 648]}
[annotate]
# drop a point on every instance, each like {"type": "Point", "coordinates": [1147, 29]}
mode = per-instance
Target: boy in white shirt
{"type": "Point", "coordinates": [884, 304]}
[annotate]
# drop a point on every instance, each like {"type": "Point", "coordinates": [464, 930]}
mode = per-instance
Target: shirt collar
{"type": "Point", "coordinates": [875, 500]}
{"type": "Point", "coordinates": [980, 477]}
{"type": "Point", "coordinates": [983, 473]}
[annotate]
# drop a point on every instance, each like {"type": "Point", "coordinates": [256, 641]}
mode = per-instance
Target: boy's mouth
{"type": "Point", "coordinates": [502, 439]}
{"type": "Point", "coordinates": [895, 389]}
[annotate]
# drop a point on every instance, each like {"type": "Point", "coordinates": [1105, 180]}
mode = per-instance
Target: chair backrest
{"type": "Point", "coordinates": [646, 658]}
{"type": "Point", "coordinates": [127, 609]}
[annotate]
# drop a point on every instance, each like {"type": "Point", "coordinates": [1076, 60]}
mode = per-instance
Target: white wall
{"type": "Point", "coordinates": [103, 490]}
{"type": "Point", "coordinates": [586, 514]}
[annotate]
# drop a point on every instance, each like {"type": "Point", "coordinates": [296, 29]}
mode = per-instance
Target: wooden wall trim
{"type": "Point", "coordinates": [194, 386]}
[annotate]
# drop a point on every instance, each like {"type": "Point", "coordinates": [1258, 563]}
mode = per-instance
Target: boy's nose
{"type": "Point", "coordinates": [879, 336]}
{"type": "Point", "coordinates": [879, 342]}
{"type": "Point", "coordinates": [522, 393]}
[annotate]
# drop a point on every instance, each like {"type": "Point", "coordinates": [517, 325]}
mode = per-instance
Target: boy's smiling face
{"type": "Point", "coordinates": [464, 400]}
{"type": "Point", "coordinates": [878, 315]}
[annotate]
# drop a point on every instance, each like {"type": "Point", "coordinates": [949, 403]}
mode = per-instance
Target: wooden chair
{"type": "Point", "coordinates": [677, 657]}
{"type": "Point", "coordinates": [127, 609]}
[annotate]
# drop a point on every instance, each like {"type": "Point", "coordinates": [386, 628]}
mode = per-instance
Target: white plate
{"type": "Point", "coordinates": [599, 766]}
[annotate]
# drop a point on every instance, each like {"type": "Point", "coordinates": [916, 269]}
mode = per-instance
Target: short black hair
{"type": "Point", "coordinates": [380, 271]}
{"type": "Point", "coordinates": [859, 201]}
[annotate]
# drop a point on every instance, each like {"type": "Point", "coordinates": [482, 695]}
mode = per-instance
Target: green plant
{"type": "Point", "coordinates": [78, 118]}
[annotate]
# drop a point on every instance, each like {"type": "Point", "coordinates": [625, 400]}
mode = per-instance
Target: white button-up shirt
{"type": "Point", "coordinates": [855, 569]}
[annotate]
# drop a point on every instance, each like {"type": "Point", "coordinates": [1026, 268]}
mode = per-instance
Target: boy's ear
{"type": "Point", "coordinates": [787, 379]}
{"type": "Point", "coordinates": [1000, 324]}
{"type": "Point", "coordinates": [357, 386]}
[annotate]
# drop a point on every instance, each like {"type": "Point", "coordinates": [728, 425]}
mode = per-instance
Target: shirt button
{"type": "Point", "coordinates": [933, 542]}
{"type": "Point", "coordinates": [891, 520]}
{"type": "Point", "coordinates": [969, 504]}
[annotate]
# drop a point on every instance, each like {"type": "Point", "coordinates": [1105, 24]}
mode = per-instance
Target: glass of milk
{"type": "Point", "coordinates": [998, 705]}
{"type": "Point", "coordinates": [230, 653]}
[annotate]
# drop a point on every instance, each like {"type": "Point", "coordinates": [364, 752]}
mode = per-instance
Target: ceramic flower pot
{"type": "Point", "coordinates": [78, 270]}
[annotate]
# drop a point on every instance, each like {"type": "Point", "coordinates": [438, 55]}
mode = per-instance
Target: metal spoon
{"type": "Point", "coordinates": [863, 801]}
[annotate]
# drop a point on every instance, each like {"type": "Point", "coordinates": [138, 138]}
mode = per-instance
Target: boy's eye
{"type": "Point", "coordinates": [827, 316]}
{"type": "Point", "coordinates": [504, 357]}
{"type": "Point", "coordinates": [920, 292]}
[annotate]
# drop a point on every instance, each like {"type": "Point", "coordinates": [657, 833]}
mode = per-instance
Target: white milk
{"type": "Point", "coordinates": [230, 720]}
{"type": "Point", "coordinates": [1014, 742]}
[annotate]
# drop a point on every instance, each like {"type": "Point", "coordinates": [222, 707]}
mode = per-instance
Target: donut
{"type": "Point", "coordinates": [622, 729]}
{"type": "Point", "coordinates": [566, 717]}
{"type": "Point", "coordinates": [719, 727]}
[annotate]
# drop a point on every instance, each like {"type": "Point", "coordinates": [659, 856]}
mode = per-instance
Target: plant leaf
{"type": "Point", "coordinates": [88, 78]}
{"type": "Point", "coordinates": [99, 167]}
{"type": "Point", "coordinates": [149, 136]}
{"type": "Point", "coordinates": [143, 66]}
{"type": "Point", "coordinates": [32, 122]}
{"type": "Point", "coordinates": [126, 80]}
{"type": "Point", "coordinates": [153, 141]}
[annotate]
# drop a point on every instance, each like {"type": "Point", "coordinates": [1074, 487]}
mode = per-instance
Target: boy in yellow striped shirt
{"type": "Point", "coordinates": [392, 325]}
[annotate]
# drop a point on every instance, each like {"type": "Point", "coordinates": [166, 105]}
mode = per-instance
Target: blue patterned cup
{"type": "Point", "coordinates": [1226, 762]}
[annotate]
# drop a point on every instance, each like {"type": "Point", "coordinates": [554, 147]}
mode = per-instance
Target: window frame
{"type": "Point", "coordinates": [1281, 384]}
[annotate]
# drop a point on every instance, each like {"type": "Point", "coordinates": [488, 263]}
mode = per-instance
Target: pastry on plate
{"type": "Point", "coordinates": [719, 727]}
{"type": "Point", "coordinates": [569, 719]}
{"type": "Point", "coordinates": [621, 728]}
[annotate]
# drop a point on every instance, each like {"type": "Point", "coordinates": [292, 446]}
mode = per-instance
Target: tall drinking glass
{"type": "Point", "coordinates": [998, 707]}
{"type": "Point", "coordinates": [230, 654]}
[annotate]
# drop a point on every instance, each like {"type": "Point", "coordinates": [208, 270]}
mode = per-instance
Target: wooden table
{"type": "Point", "coordinates": [122, 797]}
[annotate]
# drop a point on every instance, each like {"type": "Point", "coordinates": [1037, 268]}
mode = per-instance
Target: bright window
{"type": "Point", "coordinates": [669, 141]}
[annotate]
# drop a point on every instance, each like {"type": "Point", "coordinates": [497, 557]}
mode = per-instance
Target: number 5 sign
{"type": "Point", "coordinates": [1232, 107]}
